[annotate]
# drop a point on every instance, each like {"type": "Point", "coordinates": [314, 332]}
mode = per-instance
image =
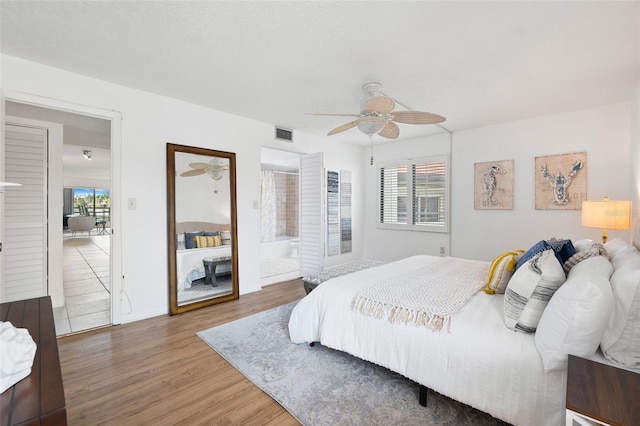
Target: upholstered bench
{"type": "Point", "coordinates": [311, 281]}
{"type": "Point", "coordinates": [210, 264]}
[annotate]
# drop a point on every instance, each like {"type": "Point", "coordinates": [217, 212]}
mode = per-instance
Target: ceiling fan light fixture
{"type": "Point", "coordinates": [86, 154]}
{"type": "Point", "coordinates": [371, 125]}
{"type": "Point", "coordinates": [370, 128]}
{"type": "Point", "coordinates": [215, 174]}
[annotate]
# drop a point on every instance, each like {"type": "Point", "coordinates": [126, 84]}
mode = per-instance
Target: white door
{"type": "Point", "coordinates": [25, 269]}
{"type": "Point", "coordinates": [311, 249]}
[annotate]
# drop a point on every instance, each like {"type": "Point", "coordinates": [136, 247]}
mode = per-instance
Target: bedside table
{"type": "Point", "coordinates": [600, 394]}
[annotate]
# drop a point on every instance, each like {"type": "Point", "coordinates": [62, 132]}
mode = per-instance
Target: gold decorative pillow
{"type": "Point", "coordinates": [502, 268]}
{"type": "Point", "coordinates": [203, 241]}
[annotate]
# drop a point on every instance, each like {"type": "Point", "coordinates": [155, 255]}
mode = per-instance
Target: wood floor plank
{"type": "Point", "coordinates": [157, 371]}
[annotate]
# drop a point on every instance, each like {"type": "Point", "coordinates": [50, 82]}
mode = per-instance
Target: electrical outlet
{"type": "Point", "coordinates": [442, 251]}
{"type": "Point", "coordinates": [131, 203]}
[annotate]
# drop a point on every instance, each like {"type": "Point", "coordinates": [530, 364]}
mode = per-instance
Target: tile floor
{"type": "Point", "coordinates": [86, 284]}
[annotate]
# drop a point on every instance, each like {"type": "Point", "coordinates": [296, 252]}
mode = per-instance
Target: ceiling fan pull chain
{"type": "Point", "coordinates": [371, 140]}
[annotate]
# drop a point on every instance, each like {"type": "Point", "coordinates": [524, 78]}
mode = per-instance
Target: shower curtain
{"type": "Point", "coordinates": [268, 207]}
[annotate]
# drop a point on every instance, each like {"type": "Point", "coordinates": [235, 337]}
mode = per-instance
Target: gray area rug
{"type": "Point", "coordinates": [321, 386]}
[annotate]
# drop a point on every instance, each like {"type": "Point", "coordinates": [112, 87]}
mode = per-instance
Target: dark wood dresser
{"type": "Point", "coordinates": [38, 399]}
{"type": "Point", "coordinates": [600, 394]}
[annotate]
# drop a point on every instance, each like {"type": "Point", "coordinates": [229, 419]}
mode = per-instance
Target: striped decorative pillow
{"type": "Point", "coordinates": [502, 268]}
{"type": "Point", "coordinates": [203, 241]}
{"type": "Point", "coordinates": [530, 290]}
{"type": "Point", "coordinates": [595, 250]}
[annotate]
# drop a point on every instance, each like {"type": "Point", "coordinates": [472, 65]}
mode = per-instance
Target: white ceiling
{"type": "Point", "coordinates": [477, 63]}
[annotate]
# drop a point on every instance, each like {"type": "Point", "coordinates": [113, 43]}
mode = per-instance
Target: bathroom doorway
{"type": "Point", "coordinates": [279, 216]}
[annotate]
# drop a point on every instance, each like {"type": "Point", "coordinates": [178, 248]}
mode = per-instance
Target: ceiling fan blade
{"type": "Point", "coordinates": [416, 117]}
{"type": "Point", "coordinates": [199, 165]}
{"type": "Point", "coordinates": [195, 172]}
{"type": "Point", "coordinates": [342, 128]}
{"type": "Point", "coordinates": [381, 104]}
{"type": "Point", "coordinates": [332, 114]}
{"type": "Point", "coordinates": [390, 131]}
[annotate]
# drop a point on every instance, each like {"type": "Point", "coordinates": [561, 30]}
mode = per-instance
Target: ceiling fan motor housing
{"type": "Point", "coordinates": [370, 90]}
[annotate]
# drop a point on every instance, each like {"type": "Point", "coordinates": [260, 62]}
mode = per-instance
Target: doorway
{"type": "Point", "coordinates": [279, 216]}
{"type": "Point", "coordinates": [87, 257]}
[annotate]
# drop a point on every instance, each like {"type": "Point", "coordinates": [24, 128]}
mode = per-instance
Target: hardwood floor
{"type": "Point", "coordinates": [157, 371]}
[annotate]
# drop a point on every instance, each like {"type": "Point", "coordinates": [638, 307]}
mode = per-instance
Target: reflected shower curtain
{"type": "Point", "coordinates": [268, 207]}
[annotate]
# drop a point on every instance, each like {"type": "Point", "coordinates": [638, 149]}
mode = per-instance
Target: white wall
{"type": "Point", "coordinates": [635, 150]}
{"type": "Point", "coordinates": [603, 132]}
{"type": "Point", "coordinates": [149, 121]}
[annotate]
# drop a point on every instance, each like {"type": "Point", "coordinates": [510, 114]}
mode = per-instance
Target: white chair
{"type": "Point", "coordinates": [81, 223]}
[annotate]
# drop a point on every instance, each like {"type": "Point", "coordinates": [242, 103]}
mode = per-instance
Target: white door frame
{"type": "Point", "coordinates": [115, 118]}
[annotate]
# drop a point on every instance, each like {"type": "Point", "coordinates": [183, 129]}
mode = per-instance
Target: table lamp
{"type": "Point", "coordinates": [606, 215]}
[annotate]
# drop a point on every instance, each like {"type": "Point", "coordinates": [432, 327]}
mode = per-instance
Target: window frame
{"type": "Point", "coordinates": [410, 225]}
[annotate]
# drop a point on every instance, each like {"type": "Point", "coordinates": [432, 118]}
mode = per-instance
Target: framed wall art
{"type": "Point", "coordinates": [493, 185]}
{"type": "Point", "coordinates": [561, 181]}
{"type": "Point", "coordinates": [345, 211]}
{"type": "Point", "coordinates": [338, 212]}
{"type": "Point", "coordinates": [333, 213]}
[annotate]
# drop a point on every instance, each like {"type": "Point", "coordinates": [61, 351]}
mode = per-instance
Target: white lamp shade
{"type": "Point", "coordinates": [606, 214]}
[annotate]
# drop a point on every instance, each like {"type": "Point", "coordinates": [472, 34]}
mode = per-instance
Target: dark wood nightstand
{"type": "Point", "coordinates": [599, 394]}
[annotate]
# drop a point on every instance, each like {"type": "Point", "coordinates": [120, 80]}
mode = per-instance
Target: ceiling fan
{"type": "Point", "coordinates": [214, 168]}
{"type": "Point", "coordinates": [377, 115]}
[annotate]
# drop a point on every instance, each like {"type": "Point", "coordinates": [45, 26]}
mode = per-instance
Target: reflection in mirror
{"type": "Point", "coordinates": [201, 213]}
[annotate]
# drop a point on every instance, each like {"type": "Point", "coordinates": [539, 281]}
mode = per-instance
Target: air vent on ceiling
{"type": "Point", "coordinates": [284, 134]}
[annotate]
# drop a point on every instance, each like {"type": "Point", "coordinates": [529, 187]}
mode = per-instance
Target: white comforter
{"type": "Point", "coordinates": [189, 266]}
{"type": "Point", "coordinates": [480, 362]}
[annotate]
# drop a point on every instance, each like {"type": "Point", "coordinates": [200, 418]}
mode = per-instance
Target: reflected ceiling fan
{"type": "Point", "coordinates": [214, 168]}
{"type": "Point", "coordinates": [377, 115]}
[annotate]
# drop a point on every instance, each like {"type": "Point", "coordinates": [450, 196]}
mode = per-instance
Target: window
{"type": "Point", "coordinates": [92, 202]}
{"type": "Point", "coordinates": [414, 195]}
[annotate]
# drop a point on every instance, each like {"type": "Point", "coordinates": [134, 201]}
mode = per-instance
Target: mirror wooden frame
{"type": "Point", "coordinates": [174, 306]}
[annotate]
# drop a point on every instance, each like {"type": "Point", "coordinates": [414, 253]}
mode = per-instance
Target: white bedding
{"type": "Point", "coordinates": [189, 264]}
{"type": "Point", "coordinates": [480, 362]}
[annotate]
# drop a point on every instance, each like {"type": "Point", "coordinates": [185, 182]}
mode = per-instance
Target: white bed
{"type": "Point", "coordinates": [189, 264]}
{"type": "Point", "coordinates": [480, 362]}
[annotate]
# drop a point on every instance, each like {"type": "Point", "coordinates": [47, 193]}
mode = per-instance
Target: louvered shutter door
{"type": "Point", "coordinates": [25, 239]}
{"type": "Point", "coordinates": [311, 250]}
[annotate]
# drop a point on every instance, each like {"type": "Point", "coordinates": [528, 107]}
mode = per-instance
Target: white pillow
{"type": "Point", "coordinates": [621, 339]}
{"type": "Point", "coordinates": [530, 289]}
{"type": "Point", "coordinates": [577, 314]}
{"type": "Point", "coordinates": [180, 241]}
{"type": "Point", "coordinates": [584, 244]}
{"type": "Point", "coordinates": [617, 246]}
{"type": "Point", "coordinates": [226, 237]}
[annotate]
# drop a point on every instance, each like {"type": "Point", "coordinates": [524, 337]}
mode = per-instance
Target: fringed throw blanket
{"type": "Point", "coordinates": [425, 297]}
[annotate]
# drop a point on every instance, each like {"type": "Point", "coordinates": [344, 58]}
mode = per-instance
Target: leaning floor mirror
{"type": "Point", "coordinates": [202, 229]}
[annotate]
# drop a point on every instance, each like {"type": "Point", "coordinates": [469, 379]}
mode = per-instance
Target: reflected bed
{"type": "Point", "coordinates": [189, 265]}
